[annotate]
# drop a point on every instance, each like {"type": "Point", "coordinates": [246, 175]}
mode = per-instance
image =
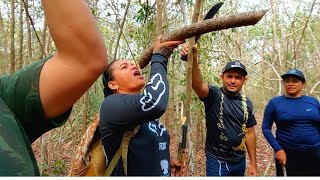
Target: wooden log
{"type": "Point", "coordinates": [205, 26]}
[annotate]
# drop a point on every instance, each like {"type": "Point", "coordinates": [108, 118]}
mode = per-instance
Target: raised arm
{"type": "Point", "coordinates": [123, 110]}
{"type": "Point", "coordinates": [80, 58]}
{"type": "Point", "coordinates": [199, 87]}
{"type": "Point", "coordinates": [120, 111]}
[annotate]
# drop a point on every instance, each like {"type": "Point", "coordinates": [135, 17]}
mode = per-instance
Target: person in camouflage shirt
{"type": "Point", "coordinates": [40, 96]}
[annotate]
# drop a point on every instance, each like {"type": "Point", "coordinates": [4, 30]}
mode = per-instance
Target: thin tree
{"type": "Point", "coordinates": [20, 51]}
{"type": "Point", "coordinates": [12, 28]}
{"type": "Point", "coordinates": [29, 38]}
{"type": "Point", "coordinates": [121, 29]}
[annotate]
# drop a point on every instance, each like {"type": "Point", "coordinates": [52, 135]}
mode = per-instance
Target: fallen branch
{"type": "Point", "coordinates": [209, 25]}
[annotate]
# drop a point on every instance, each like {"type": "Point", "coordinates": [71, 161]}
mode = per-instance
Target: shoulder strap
{"type": "Point", "coordinates": [241, 147]}
{"type": "Point", "coordinates": [245, 109]}
{"type": "Point", "coordinates": [122, 151]}
{"type": "Point", "coordinates": [220, 123]}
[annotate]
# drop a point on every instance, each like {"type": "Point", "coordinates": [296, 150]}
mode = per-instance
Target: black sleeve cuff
{"type": "Point", "coordinates": [159, 57]}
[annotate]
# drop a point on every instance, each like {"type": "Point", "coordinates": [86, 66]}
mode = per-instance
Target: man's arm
{"type": "Point", "coordinates": [199, 87]}
{"type": "Point", "coordinates": [251, 147]}
{"type": "Point", "coordinates": [80, 59]}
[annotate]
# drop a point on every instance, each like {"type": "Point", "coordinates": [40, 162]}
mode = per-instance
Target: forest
{"type": "Point", "coordinates": [285, 37]}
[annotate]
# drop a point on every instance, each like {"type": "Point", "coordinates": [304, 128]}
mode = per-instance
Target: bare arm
{"type": "Point", "coordinates": [80, 58]}
{"type": "Point", "coordinates": [251, 147]}
{"type": "Point", "coordinates": [199, 87]}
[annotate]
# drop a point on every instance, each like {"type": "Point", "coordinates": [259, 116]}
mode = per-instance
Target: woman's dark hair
{"type": "Point", "coordinates": [106, 77]}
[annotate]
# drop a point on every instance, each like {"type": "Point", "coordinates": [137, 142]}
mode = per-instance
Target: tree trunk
{"type": "Point", "coordinates": [198, 119]}
{"type": "Point", "coordinates": [5, 49]}
{"type": "Point", "coordinates": [159, 16]}
{"type": "Point", "coordinates": [276, 53]}
{"type": "Point", "coordinates": [209, 25]}
{"type": "Point", "coordinates": [187, 102]}
{"type": "Point", "coordinates": [121, 29]}
{"type": "Point", "coordinates": [1, 23]}
{"type": "Point", "coordinates": [29, 38]}
{"type": "Point", "coordinates": [48, 47]}
{"type": "Point", "coordinates": [20, 62]}
{"type": "Point", "coordinates": [2, 37]}
{"type": "Point", "coordinates": [195, 18]}
{"type": "Point", "coordinates": [43, 40]}
{"type": "Point", "coordinates": [43, 152]}
{"type": "Point", "coordinates": [60, 141]}
{"type": "Point", "coordinates": [12, 27]}
{"type": "Point", "coordinates": [85, 111]}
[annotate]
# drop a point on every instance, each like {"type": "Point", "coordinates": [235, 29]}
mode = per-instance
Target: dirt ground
{"type": "Point", "coordinates": [59, 163]}
{"type": "Point", "coordinates": [265, 160]}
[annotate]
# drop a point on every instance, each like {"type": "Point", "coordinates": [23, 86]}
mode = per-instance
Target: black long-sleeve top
{"type": "Point", "coordinates": [148, 153]}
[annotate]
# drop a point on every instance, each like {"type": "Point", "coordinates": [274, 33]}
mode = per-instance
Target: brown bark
{"type": "Point", "coordinates": [187, 102]}
{"type": "Point", "coordinates": [2, 42]}
{"type": "Point", "coordinates": [209, 25]}
{"type": "Point", "coordinates": [29, 46]}
{"type": "Point", "coordinates": [43, 40]}
{"type": "Point", "coordinates": [198, 135]}
{"type": "Point", "coordinates": [121, 29]}
{"type": "Point", "coordinates": [48, 46]}
{"type": "Point", "coordinates": [1, 22]}
{"type": "Point", "coordinates": [12, 26]}
{"type": "Point", "coordinates": [159, 29]}
{"type": "Point", "coordinates": [85, 112]}
{"type": "Point", "coordinates": [43, 151]}
{"type": "Point", "coordinates": [20, 51]}
{"type": "Point", "coordinates": [5, 43]}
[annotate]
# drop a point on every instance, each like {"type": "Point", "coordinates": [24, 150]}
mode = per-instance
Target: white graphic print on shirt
{"type": "Point", "coordinates": [158, 86]}
{"type": "Point", "coordinates": [157, 129]}
{"type": "Point", "coordinates": [165, 167]}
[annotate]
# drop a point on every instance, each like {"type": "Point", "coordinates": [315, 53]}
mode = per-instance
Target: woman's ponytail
{"type": "Point", "coordinates": [106, 77]}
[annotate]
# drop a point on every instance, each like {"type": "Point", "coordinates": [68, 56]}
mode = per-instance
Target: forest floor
{"type": "Point", "coordinates": [265, 160]}
{"type": "Point", "coordinates": [59, 158]}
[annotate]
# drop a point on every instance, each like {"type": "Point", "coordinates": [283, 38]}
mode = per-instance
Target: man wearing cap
{"type": "Point", "coordinates": [229, 120]}
{"type": "Point", "coordinates": [297, 118]}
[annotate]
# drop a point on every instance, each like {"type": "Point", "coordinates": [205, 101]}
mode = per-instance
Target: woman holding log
{"type": "Point", "coordinates": [125, 109]}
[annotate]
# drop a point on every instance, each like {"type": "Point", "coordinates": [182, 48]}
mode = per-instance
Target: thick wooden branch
{"type": "Point", "coordinates": [209, 25]}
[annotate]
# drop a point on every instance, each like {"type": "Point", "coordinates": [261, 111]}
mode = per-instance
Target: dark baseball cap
{"type": "Point", "coordinates": [294, 72]}
{"type": "Point", "coordinates": [235, 64]}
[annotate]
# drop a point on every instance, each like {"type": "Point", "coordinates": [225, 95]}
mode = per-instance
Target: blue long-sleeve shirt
{"type": "Point", "coordinates": [297, 121]}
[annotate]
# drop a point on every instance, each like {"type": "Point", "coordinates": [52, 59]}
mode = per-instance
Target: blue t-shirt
{"type": "Point", "coordinates": [297, 121]}
{"type": "Point", "coordinates": [226, 142]}
{"type": "Point", "coordinates": [148, 152]}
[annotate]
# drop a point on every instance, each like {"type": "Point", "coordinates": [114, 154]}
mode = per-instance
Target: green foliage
{"type": "Point", "coordinates": [144, 12]}
{"type": "Point", "coordinates": [59, 168]}
{"type": "Point", "coordinates": [44, 166]}
{"type": "Point", "coordinates": [182, 96]}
